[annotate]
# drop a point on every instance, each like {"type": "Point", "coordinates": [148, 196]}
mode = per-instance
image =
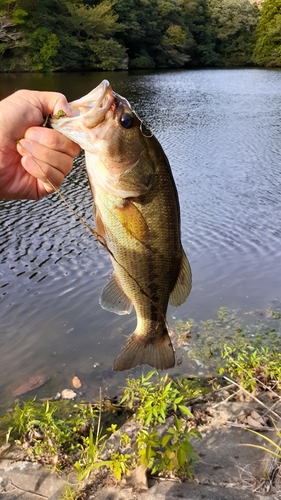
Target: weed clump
{"type": "Point", "coordinates": [249, 352]}
{"type": "Point", "coordinates": [65, 435]}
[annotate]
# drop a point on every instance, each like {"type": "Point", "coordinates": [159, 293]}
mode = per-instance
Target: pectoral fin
{"type": "Point", "coordinates": [132, 220]}
{"type": "Point", "coordinates": [183, 284]}
{"type": "Point", "coordinates": [113, 298]}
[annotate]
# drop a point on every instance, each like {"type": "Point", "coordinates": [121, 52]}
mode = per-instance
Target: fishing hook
{"type": "Point", "coordinates": [142, 132]}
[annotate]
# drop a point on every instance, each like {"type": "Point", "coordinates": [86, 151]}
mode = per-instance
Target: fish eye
{"type": "Point", "coordinates": [126, 120]}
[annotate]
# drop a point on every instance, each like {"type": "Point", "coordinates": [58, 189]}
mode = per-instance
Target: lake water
{"type": "Point", "coordinates": [221, 130]}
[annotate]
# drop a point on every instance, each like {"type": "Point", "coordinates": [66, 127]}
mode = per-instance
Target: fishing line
{"type": "Point", "coordinates": [99, 238]}
{"type": "Point", "coordinates": [97, 235]}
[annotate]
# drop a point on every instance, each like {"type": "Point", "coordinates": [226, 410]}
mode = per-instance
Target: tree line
{"type": "Point", "coordinates": [68, 35]}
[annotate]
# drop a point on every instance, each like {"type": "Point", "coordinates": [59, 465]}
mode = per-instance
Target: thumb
{"type": "Point", "coordinates": [52, 103]}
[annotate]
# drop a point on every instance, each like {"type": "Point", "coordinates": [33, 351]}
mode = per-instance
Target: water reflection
{"type": "Point", "coordinates": [221, 131]}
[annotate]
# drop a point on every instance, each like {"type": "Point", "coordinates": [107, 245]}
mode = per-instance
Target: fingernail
{"type": "Point", "coordinates": [26, 145]}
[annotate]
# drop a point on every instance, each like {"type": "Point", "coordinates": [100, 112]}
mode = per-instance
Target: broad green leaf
{"type": "Point", "coordinates": [185, 411]}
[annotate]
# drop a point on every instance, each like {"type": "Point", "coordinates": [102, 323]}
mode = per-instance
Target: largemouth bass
{"type": "Point", "coordinates": [137, 214]}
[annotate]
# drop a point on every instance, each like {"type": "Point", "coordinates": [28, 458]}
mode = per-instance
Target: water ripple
{"type": "Point", "coordinates": [221, 131]}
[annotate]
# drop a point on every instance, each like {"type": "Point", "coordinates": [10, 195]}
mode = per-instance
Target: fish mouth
{"type": "Point", "coordinates": [86, 113]}
{"type": "Point", "coordinates": [97, 103]}
{"type": "Point", "coordinates": [94, 106]}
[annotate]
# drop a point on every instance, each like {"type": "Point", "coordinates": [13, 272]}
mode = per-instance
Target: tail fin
{"type": "Point", "coordinates": [140, 350]}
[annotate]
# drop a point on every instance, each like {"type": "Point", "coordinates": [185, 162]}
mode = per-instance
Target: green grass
{"type": "Point", "coordinates": [245, 347]}
{"type": "Point", "coordinates": [68, 436]}
{"type": "Point", "coordinates": [86, 437]}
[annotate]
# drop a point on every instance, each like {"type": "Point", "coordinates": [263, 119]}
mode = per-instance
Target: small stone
{"type": "Point", "coordinates": [252, 422]}
{"type": "Point", "coordinates": [76, 382]}
{"type": "Point", "coordinates": [258, 417]}
{"type": "Point", "coordinates": [242, 418]}
{"type": "Point", "coordinates": [138, 479]}
{"type": "Point", "coordinates": [68, 394]}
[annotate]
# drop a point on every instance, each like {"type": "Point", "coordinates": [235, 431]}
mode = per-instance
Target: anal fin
{"type": "Point", "coordinates": [113, 298]}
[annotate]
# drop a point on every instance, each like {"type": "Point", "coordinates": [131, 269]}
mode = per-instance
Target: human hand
{"type": "Point", "coordinates": [29, 153]}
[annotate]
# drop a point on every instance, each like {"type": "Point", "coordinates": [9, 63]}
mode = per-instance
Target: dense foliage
{"type": "Point", "coordinates": [268, 46]}
{"type": "Point", "coordinates": [65, 35]}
